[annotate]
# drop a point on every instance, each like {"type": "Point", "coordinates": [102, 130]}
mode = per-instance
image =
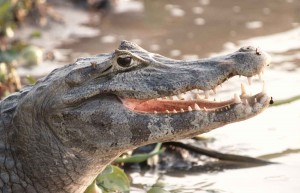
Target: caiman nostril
{"type": "Point", "coordinates": [93, 65]}
{"type": "Point", "coordinates": [257, 51]}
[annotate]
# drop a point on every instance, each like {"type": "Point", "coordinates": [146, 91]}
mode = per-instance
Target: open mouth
{"type": "Point", "coordinates": [197, 100]}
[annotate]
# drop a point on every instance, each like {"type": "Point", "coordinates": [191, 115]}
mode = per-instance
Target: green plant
{"type": "Point", "coordinates": [141, 157]}
{"type": "Point", "coordinates": [111, 179]}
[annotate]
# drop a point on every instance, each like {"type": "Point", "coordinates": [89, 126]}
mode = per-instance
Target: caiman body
{"type": "Point", "coordinates": [57, 135]}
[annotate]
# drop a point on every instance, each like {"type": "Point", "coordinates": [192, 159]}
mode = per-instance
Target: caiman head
{"type": "Point", "coordinates": [101, 106]}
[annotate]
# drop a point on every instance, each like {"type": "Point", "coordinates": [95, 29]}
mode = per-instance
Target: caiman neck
{"type": "Point", "coordinates": [12, 175]}
{"type": "Point", "coordinates": [25, 146]}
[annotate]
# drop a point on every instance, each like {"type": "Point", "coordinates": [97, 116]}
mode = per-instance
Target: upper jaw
{"type": "Point", "coordinates": [247, 62]}
{"type": "Point", "coordinates": [173, 77]}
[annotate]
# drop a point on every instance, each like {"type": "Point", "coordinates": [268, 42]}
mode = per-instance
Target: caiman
{"type": "Point", "coordinates": [57, 135]}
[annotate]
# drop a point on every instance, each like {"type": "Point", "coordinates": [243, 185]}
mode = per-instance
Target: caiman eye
{"type": "Point", "coordinates": [124, 62]}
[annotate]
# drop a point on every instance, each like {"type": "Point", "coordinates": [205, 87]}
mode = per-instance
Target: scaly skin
{"type": "Point", "coordinates": [57, 135]}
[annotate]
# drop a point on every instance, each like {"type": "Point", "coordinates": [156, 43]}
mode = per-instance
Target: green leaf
{"type": "Point", "coordinates": [108, 170]}
{"type": "Point", "coordinates": [8, 56]}
{"type": "Point", "coordinates": [32, 55]}
{"type": "Point", "coordinates": [31, 79]}
{"type": "Point", "coordinates": [3, 72]}
{"type": "Point", "coordinates": [113, 179]}
{"type": "Point", "coordinates": [141, 157]}
{"type": "Point", "coordinates": [93, 188]}
{"type": "Point", "coordinates": [36, 34]}
{"type": "Point", "coordinates": [157, 190]}
{"type": "Point", "coordinates": [4, 8]}
{"type": "Point", "coordinates": [285, 101]}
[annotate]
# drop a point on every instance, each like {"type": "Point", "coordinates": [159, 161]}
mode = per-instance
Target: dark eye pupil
{"type": "Point", "coordinates": [124, 62]}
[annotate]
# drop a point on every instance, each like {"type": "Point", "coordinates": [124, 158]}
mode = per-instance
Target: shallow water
{"type": "Point", "coordinates": [202, 28]}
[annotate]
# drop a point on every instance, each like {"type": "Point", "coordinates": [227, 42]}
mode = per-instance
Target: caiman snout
{"type": "Point", "coordinates": [249, 61]}
{"type": "Point", "coordinates": [199, 80]}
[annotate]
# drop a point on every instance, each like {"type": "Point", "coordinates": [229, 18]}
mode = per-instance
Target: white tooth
{"type": "Point", "coordinates": [198, 97]}
{"type": "Point", "coordinates": [246, 102]}
{"type": "Point", "coordinates": [165, 98]}
{"type": "Point", "coordinates": [155, 112]}
{"type": "Point", "coordinates": [215, 90]}
{"type": "Point", "coordinates": [174, 98]}
{"type": "Point", "coordinates": [260, 76]}
{"type": "Point", "coordinates": [205, 109]}
{"type": "Point", "coordinates": [159, 99]}
{"type": "Point", "coordinates": [174, 111]}
{"type": "Point", "coordinates": [221, 85]}
{"type": "Point", "coordinates": [195, 90]}
{"type": "Point", "coordinates": [206, 93]}
{"type": "Point", "coordinates": [190, 108]}
{"type": "Point", "coordinates": [180, 96]}
{"type": "Point", "coordinates": [264, 87]}
{"type": "Point", "coordinates": [191, 98]}
{"type": "Point", "coordinates": [237, 99]}
{"type": "Point", "coordinates": [269, 60]}
{"type": "Point", "coordinates": [249, 80]}
{"type": "Point", "coordinates": [255, 100]}
{"type": "Point", "coordinates": [243, 89]}
{"type": "Point", "coordinates": [197, 107]}
{"type": "Point", "coordinates": [181, 110]}
{"type": "Point", "coordinates": [167, 111]}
